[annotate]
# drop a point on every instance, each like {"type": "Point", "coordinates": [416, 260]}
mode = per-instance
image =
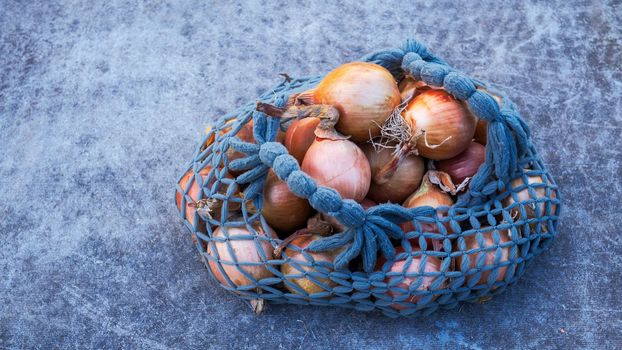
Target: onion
{"type": "Point", "coordinates": [246, 252]}
{"type": "Point", "coordinates": [364, 93]}
{"type": "Point", "coordinates": [245, 134]}
{"type": "Point", "coordinates": [335, 224]}
{"type": "Point", "coordinates": [533, 209]}
{"type": "Point", "coordinates": [410, 87]}
{"type": "Point", "coordinates": [302, 267]}
{"type": "Point", "coordinates": [432, 265]}
{"type": "Point", "coordinates": [481, 132]}
{"type": "Point", "coordinates": [368, 203]}
{"type": "Point", "coordinates": [464, 165]}
{"type": "Point", "coordinates": [427, 195]}
{"type": "Point", "coordinates": [212, 206]}
{"type": "Point", "coordinates": [299, 137]}
{"type": "Point", "coordinates": [441, 125]}
{"type": "Point", "coordinates": [339, 164]}
{"type": "Point", "coordinates": [489, 255]}
{"type": "Point", "coordinates": [283, 210]}
{"type": "Point", "coordinates": [395, 175]}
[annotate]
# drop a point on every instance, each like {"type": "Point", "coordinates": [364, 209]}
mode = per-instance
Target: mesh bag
{"type": "Point", "coordinates": [507, 216]}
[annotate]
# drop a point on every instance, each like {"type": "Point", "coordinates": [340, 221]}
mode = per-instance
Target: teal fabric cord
{"type": "Point", "coordinates": [510, 209]}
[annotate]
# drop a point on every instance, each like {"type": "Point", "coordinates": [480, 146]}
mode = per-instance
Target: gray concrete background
{"type": "Point", "coordinates": [101, 104]}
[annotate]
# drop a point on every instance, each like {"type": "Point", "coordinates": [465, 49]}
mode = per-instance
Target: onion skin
{"type": "Point", "coordinates": [532, 211]}
{"type": "Point", "coordinates": [306, 283]}
{"type": "Point", "coordinates": [245, 134]}
{"type": "Point", "coordinates": [481, 132]}
{"type": "Point", "coordinates": [299, 137]}
{"type": "Point", "coordinates": [471, 243]}
{"type": "Point", "coordinates": [410, 87]}
{"type": "Point", "coordinates": [464, 165]}
{"type": "Point", "coordinates": [338, 226]}
{"type": "Point", "coordinates": [433, 264]}
{"type": "Point", "coordinates": [449, 127]}
{"type": "Point", "coordinates": [365, 95]}
{"type": "Point", "coordinates": [400, 183]}
{"type": "Point", "coordinates": [339, 164]}
{"type": "Point", "coordinates": [245, 251]}
{"type": "Point", "coordinates": [283, 210]}
{"type": "Point", "coordinates": [427, 195]}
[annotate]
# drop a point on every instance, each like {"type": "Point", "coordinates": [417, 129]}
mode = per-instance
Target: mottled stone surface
{"type": "Point", "coordinates": [101, 106]}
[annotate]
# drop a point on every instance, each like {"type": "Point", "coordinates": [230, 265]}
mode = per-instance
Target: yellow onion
{"type": "Point", "coordinates": [302, 263]}
{"type": "Point", "coordinates": [481, 130]}
{"type": "Point", "coordinates": [245, 134]}
{"type": "Point", "coordinates": [334, 223]}
{"type": "Point", "coordinates": [441, 125]}
{"type": "Point", "coordinates": [283, 210]}
{"type": "Point", "coordinates": [432, 265]}
{"type": "Point", "coordinates": [395, 175]}
{"type": "Point", "coordinates": [246, 251]}
{"type": "Point", "coordinates": [339, 164]}
{"type": "Point", "coordinates": [534, 209]}
{"type": "Point", "coordinates": [464, 165]}
{"type": "Point", "coordinates": [213, 206]}
{"type": "Point", "coordinates": [299, 137]}
{"type": "Point", "coordinates": [364, 93]}
{"type": "Point", "coordinates": [489, 252]}
{"type": "Point", "coordinates": [427, 195]}
{"type": "Point", "coordinates": [410, 87]}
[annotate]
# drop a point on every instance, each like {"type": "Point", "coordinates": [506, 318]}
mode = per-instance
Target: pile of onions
{"type": "Point", "coordinates": [302, 268]}
{"type": "Point", "coordinates": [413, 269]}
{"type": "Point", "coordinates": [489, 253]}
{"type": "Point", "coordinates": [441, 125]}
{"type": "Point", "coordinates": [283, 210]}
{"type": "Point", "coordinates": [364, 93]}
{"type": "Point", "coordinates": [427, 195]}
{"type": "Point", "coordinates": [464, 165]}
{"type": "Point", "coordinates": [339, 164]}
{"type": "Point", "coordinates": [246, 250]}
{"type": "Point", "coordinates": [394, 177]}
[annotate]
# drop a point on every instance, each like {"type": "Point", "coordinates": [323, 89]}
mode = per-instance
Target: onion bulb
{"type": "Point", "coordinates": [410, 87]}
{"type": "Point", "coordinates": [339, 164]}
{"type": "Point", "coordinates": [488, 251]}
{"type": "Point", "coordinates": [299, 137]}
{"type": "Point", "coordinates": [414, 270]}
{"type": "Point", "coordinates": [334, 223]}
{"type": "Point", "coordinates": [481, 130]}
{"type": "Point", "coordinates": [537, 206]}
{"type": "Point", "coordinates": [427, 195]}
{"type": "Point", "coordinates": [193, 189]}
{"type": "Point", "coordinates": [302, 267]}
{"type": "Point", "coordinates": [464, 165]}
{"type": "Point", "coordinates": [364, 93]}
{"type": "Point", "coordinates": [441, 126]}
{"type": "Point", "coordinates": [283, 210]}
{"type": "Point", "coordinates": [246, 250]}
{"type": "Point", "coordinates": [395, 175]}
{"type": "Point", "coordinates": [245, 134]}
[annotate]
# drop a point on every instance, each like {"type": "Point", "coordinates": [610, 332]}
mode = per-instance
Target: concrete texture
{"type": "Point", "coordinates": [101, 104]}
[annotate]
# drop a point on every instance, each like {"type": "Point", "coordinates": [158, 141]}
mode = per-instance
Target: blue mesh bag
{"type": "Point", "coordinates": [506, 217]}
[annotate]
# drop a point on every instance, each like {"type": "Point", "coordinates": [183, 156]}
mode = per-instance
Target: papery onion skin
{"type": "Point", "coordinates": [446, 124]}
{"type": "Point", "coordinates": [339, 164]}
{"type": "Point", "coordinates": [410, 87]}
{"type": "Point", "coordinates": [365, 95]}
{"type": "Point", "coordinates": [432, 265]}
{"type": "Point", "coordinates": [283, 210]}
{"type": "Point", "coordinates": [535, 210]}
{"type": "Point", "coordinates": [402, 182]}
{"type": "Point", "coordinates": [300, 136]}
{"type": "Point", "coordinates": [305, 283]}
{"type": "Point", "coordinates": [428, 194]}
{"type": "Point", "coordinates": [245, 251]}
{"type": "Point", "coordinates": [471, 243]}
{"type": "Point", "coordinates": [464, 165]}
